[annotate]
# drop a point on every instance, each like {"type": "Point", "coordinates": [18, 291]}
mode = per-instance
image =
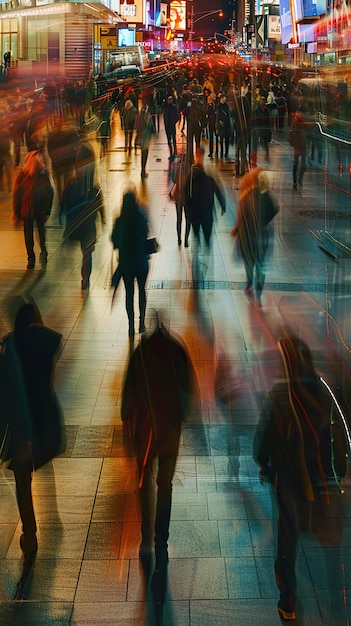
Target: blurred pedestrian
{"type": "Point", "coordinates": [81, 202]}
{"type": "Point", "coordinates": [62, 146]}
{"type": "Point", "coordinates": [200, 190]}
{"type": "Point", "coordinates": [36, 420]}
{"type": "Point", "coordinates": [256, 209]}
{"type": "Point", "coordinates": [32, 200]}
{"type": "Point", "coordinates": [261, 130]}
{"type": "Point", "coordinates": [281, 111]}
{"type": "Point", "coordinates": [159, 385]}
{"type": "Point", "coordinates": [223, 125]}
{"type": "Point", "coordinates": [177, 194]}
{"type": "Point", "coordinates": [129, 115]}
{"type": "Point", "coordinates": [194, 117]}
{"type": "Point", "coordinates": [300, 448]}
{"type": "Point", "coordinates": [297, 140]}
{"type": "Point", "coordinates": [104, 112]}
{"type": "Point", "coordinates": [211, 115]}
{"type": "Point", "coordinates": [171, 117]}
{"type": "Point", "coordinates": [145, 130]}
{"type": "Point", "coordinates": [130, 236]}
{"type": "Point", "coordinates": [242, 124]}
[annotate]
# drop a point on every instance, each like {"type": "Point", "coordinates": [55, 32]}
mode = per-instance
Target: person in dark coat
{"type": "Point", "coordinates": [242, 124]}
{"type": "Point", "coordinates": [32, 201]}
{"type": "Point", "coordinates": [171, 117]}
{"type": "Point", "coordinates": [299, 447]}
{"type": "Point", "coordinates": [145, 130]}
{"type": "Point", "coordinates": [36, 425]}
{"type": "Point", "coordinates": [159, 386]}
{"type": "Point", "coordinates": [128, 116]}
{"type": "Point", "coordinates": [130, 236]}
{"type": "Point", "coordinates": [256, 209]}
{"type": "Point", "coordinates": [261, 130]}
{"type": "Point", "coordinates": [81, 203]}
{"type": "Point", "coordinates": [194, 116]}
{"type": "Point", "coordinates": [211, 115]}
{"type": "Point", "coordinates": [223, 125]}
{"type": "Point", "coordinates": [200, 190]}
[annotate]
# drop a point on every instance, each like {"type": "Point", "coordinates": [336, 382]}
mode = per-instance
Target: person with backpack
{"type": "Point", "coordinates": [300, 447]}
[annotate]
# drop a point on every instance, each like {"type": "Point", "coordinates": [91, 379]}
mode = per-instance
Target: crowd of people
{"type": "Point", "coordinates": [226, 117]}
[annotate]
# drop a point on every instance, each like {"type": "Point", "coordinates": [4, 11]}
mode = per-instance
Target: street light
{"type": "Point", "coordinates": [193, 21]}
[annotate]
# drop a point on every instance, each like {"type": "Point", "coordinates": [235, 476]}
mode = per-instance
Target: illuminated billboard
{"type": "Point", "coordinates": [161, 18]}
{"type": "Point", "coordinates": [177, 15]}
{"type": "Point", "coordinates": [126, 37]}
{"type": "Point", "coordinates": [132, 10]}
{"type": "Point", "coordinates": [285, 21]}
{"type": "Point", "coordinates": [309, 9]}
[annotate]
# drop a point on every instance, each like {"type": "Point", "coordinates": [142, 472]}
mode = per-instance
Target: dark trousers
{"type": "Point", "coordinates": [206, 229]}
{"type": "Point", "coordinates": [129, 287]}
{"type": "Point", "coordinates": [224, 144]}
{"type": "Point", "coordinates": [179, 209]}
{"type": "Point", "coordinates": [28, 226]}
{"type": "Point", "coordinates": [87, 263]}
{"type": "Point", "coordinates": [213, 139]}
{"type": "Point", "coordinates": [23, 478]}
{"type": "Point", "coordinates": [171, 140]}
{"type": "Point", "coordinates": [144, 155]}
{"type": "Point", "coordinates": [128, 137]}
{"type": "Point", "coordinates": [241, 155]}
{"type": "Point", "coordinates": [299, 167]}
{"type": "Point", "coordinates": [166, 453]}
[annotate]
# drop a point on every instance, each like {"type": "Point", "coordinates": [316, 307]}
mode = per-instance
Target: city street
{"type": "Point", "coordinates": [223, 527]}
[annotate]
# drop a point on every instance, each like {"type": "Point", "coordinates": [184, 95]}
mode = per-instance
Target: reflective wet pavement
{"type": "Point", "coordinates": [222, 534]}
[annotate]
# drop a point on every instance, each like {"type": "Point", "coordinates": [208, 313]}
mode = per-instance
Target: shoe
{"type": "Point", "coordinates": [29, 546]}
{"type": "Point", "coordinates": [159, 584]}
{"type": "Point", "coordinates": [210, 156]}
{"type": "Point", "coordinates": [186, 244]}
{"type": "Point", "coordinates": [43, 258]}
{"type": "Point", "coordinates": [295, 186]}
{"type": "Point", "coordinates": [144, 174]}
{"type": "Point", "coordinates": [142, 328]}
{"type": "Point", "coordinates": [286, 615]}
{"type": "Point", "coordinates": [85, 284]}
{"type": "Point", "coordinates": [30, 265]}
{"type": "Point", "coordinates": [249, 293]}
{"type": "Point", "coordinates": [179, 242]}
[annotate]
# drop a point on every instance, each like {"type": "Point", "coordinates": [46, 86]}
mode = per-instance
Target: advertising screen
{"type": "Point", "coordinates": [177, 15]}
{"type": "Point", "coordinates": [132, 10]}
{"type": "Point", "coordinates": [126, 37]}
{"type": "Point", "coordinates": [285, 21]}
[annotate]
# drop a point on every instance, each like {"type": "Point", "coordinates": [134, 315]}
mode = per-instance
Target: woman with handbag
{"type": "Point", "coordinates": [130, 232]}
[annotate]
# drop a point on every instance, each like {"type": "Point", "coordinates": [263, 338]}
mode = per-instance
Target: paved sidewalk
{"type": "Point", "coordinates": [222, 535]}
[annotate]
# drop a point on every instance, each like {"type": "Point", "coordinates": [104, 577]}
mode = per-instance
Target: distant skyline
{"type": "Point", "coordinates": [207, 26]}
